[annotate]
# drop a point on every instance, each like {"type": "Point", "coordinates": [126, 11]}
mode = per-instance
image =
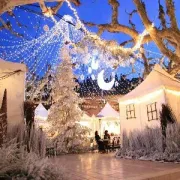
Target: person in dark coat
{"type": "Point", "coordinates": [106, 135]}
{"type": "Point", "coordinates": [99, 142]}
{"type": "Point", "coordinates": [106, 140]}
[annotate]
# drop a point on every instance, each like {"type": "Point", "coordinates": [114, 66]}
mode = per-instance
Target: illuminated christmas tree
{"type": "Point", "coordinates": [65, 112]}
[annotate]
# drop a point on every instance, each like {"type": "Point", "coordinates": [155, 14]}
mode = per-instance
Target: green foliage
{"type": "Point", "coordinates": [166, 117]}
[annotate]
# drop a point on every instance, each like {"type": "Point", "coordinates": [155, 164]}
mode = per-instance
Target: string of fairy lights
{"type": "Point", "coordinates": [44, 50]}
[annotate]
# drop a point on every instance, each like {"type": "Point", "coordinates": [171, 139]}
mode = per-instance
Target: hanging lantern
{"type": "Point", "coordinates": [46, 28]}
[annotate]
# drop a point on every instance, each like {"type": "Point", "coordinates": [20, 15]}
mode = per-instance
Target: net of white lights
{"type": "Point", "coordinates": [87, 50]}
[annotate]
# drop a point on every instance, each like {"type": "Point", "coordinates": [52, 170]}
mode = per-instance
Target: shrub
{"type": "Point", "coordinates": [35, 142]}
{"type": "Point", "coordinates": [147, 144]}
{"type": "Point", "coordinates": [17, 163]}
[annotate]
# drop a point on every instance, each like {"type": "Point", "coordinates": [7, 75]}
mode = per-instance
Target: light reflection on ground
{"type": "Point", "coordinates": [95, 166]}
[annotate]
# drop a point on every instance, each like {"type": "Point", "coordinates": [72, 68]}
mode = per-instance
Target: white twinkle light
{"type": "Point", "coordinates": [132, 60]}
{"type": "Point", "coordinates": [95, 52]}
{"type": "Point", "coordinates": [74, 60]}
{"type": "Point", "coordinates": [94, 64]}
{"type": "Point", "coordinates": [77, 66]}
{"type": "Point", "coordinates": [89, 70]}
{"type": "Point", "coordinates": [82, 77]}
{"type": "Point", "coordinates": [93, 77]}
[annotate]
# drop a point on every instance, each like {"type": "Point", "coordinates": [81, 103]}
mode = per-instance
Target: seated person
{"type": "Point", "coordinates": [99, 142]}
{"type": "Point", "coordinates": [106, 135]}
{"type": "Point", "coordinates": [106, 139]}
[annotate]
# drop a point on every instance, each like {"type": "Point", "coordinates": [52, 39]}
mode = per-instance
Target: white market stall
{"type": "Point", "coordinates": [12, 78]}
{"type": "Point", "coordinates": [106, 119]}
{"type": "Point", "coordinates": [90, 122]}
{"type": "Point", "coordinates": [109, 120]}
{"type": "Point", "coordinates": [41, 115]}
{"type": "Point", "coordinates": [140, 107]}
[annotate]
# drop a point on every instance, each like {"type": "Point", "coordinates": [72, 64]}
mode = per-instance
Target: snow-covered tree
{"type": "Point", "coordinates": [65, 112]}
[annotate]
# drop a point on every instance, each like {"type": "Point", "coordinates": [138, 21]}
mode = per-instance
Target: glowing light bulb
{"type": "Point", "coordinates": [89, 70]}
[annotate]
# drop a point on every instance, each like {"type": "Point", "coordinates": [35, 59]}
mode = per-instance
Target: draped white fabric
{"type": "Point", "coordinates": [158, 78]}
{"type": "Point", "coordinates": [108, 111]}
{"type": "Point", "coordinates": [41, 112]}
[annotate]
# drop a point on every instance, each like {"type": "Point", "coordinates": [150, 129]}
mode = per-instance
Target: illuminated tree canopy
{"type": "Point", "coordinates": [165, 34]}
{"type": "Point", "coordinates": [34, 31]}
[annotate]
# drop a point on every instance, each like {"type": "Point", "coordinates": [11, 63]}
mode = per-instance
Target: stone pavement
{"type": "Point", "coordinates": [95, 166]}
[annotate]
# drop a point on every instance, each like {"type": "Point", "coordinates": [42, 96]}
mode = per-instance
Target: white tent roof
{"type": "Point", "coordinates": [108, 111]}
{"type": "Point", "coordinates": [85, 117]}
{"type": "Point", "coordinates": [41, 112]}
{"type": "Point", "coordinates": [11, 66]}
{"type": "Point", "coordinates": [156, 79]}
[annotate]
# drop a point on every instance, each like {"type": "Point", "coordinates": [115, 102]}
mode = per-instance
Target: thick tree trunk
{"type": "Point", "coordinates": [6, 5]}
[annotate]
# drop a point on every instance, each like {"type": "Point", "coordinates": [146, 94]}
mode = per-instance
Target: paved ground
{"type": "Point", "coordinates": [97, 166]}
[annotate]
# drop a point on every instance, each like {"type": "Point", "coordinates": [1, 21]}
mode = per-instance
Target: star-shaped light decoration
{"type": "Point", "coordinates": [82, 77]}
{"type": "Point", "coordinates": [116, 84]}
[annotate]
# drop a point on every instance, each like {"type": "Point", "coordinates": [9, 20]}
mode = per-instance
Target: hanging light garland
{"type": "Point", "coordinates": [47, 46]}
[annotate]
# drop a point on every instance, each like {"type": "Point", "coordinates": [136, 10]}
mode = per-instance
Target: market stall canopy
{"type": "Point", "coordinates": [108, 111]}
{"type": "Point", "coordinates": [158, 78]}
{"type": "Point", "coordinates": [12, 78]}
{"type": "Point", "coordinates": [85, 117]}
{"type": "Point", "coordinates": [11, 66]}
{"type": "Point", "coordinates": [41, 112]}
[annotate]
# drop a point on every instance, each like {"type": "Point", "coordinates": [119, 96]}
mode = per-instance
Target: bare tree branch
{"type": "Point", "coordinates": [114, 4]}
{"type": "Point", "coordinates": [57, 7]}
{"type": "Point", "coordinates": [160, 36]}
{"type": "Point", "coordinates": [174, 70]}
{"type": "Point", "coordinates": [10, 13]}
{"type": "Point", "coordinates": [162, 17]}
{"type": "Point", "coordinates": [130, 18]}
{"type": "Point", "coordinates": [154, 33]}
{"type": "Point", "coordinates": [146, 62]}
{"type": "Point", "coordinates": [126, 42]}
{"type": "Point", "coordinates": [10, 4]}
{"type": "Point", "coordinates": [115, 28]}
{"type": "Point", "coordinates": [8, 27]}
{"type": "Point", "coordinates": [171, 13]}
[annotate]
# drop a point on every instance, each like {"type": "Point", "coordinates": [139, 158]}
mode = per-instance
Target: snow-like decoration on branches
{"type": "Point", "coordinates": [65, 112]}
